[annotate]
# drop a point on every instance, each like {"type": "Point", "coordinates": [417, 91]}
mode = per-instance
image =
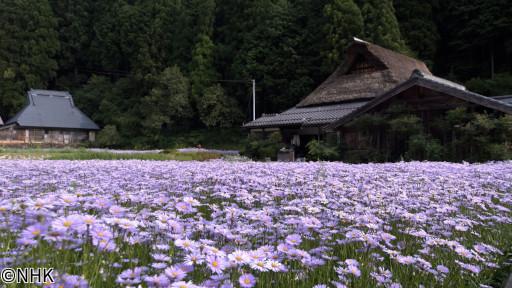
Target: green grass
{"type": "Point", "coordinates": [100, 268]}
{"type": "Point", "coordinates": [82, 154]}
{"type": "Point", "coordinates": [224, 139]}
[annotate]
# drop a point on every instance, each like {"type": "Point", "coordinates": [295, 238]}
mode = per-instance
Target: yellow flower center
{"type": "Point", "coordinates": [67, 223]}
{"type": "Point", "coordinates": [36, 232]}
{"type": "Point", "coordinates": [247, 281]}
{"type": "Point", "coordinates": [215, 264]}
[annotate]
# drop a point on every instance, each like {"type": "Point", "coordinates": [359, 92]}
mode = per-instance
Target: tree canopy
{"type": "Point", "coordinates": [148, 68]}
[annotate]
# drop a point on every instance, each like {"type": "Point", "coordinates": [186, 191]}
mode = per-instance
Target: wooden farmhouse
{"type": "Point", "coordinates": [50, 117]}
{"type": "Point", "coordinates": [371, 79]}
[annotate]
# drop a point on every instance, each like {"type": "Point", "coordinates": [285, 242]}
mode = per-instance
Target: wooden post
{"type": "Point", "coordinates": [92, 136]}
{"type": "Point", "coordinates": [27, 136]}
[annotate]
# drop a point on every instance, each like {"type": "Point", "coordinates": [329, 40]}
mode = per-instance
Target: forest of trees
{"type": "Point", "coordinates": [147, 69]}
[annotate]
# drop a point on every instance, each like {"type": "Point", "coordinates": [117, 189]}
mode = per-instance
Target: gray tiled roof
{"type": "Point", "coordinates": [306, 116]}
{"type": "Point", "coordinates": [52, 109]}
{"type": "Point", "coordinates": [505, 98]}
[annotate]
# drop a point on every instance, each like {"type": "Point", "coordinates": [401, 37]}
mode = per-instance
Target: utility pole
{"type": "Point", "coordinates": [253, 99]}
{"type": "Point", "coordinates": [253, 81]}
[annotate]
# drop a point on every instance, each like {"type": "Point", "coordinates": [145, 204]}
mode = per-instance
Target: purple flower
{"type": "Point", "coordinates": [130, 276]}
{"type": "Point", "coordinates": [216, 264]}
{"type": "Point", "coordinates": [74, 281]}
{"type": "Point", "coordinates": [175, 273]}
{"type": "Point", "coordinates": [443, 269]}
{"type": "Point", "coordinates": [183, 284]}
{"type": "Point", "coordinates": [31, 234]}
{"type": "Point", "coordinates": [247, 281]}
{"type": "Point", "coordinates": [293, 239]}
{"type": "Point", "coordinates": [157, 281]}
{"type": "Point", "coordinates": [67, 224]}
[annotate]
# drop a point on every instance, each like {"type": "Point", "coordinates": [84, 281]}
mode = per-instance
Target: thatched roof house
{"type": "Point", "coordinates": [367, 71]}
{"type": "Point", "coordinates": [370, 76]}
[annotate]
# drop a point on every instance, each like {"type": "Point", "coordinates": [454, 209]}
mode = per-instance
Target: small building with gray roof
{"type": "Point", "coordinates": [49, 117]}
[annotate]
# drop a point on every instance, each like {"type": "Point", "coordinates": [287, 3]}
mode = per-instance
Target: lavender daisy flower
{"type": "Point", "coordinates": [183, 284]}
{"type": "Point", "coordinates": [130, 276]}
{"type": "Point", "coordinates": [194, 258]}
{"type": "Point", "coordinates": [31, 234]}
{"type": "Point", "coordinates": [443, 269]}
{"type": "Point", "coordinates": [216, 264]}
{"type": "Point", "coordinates": [293, 239]}
{"type": "Point", "coordinates": [175, 273]}
{"type": "Point", "coordinates": [157, 281]}
{"type": "Point", "coordinates": [247, 281]}
{"type": "Point", "coordinates": [74, 281]}
{"type": "Point", "coordinates": [239, 257]}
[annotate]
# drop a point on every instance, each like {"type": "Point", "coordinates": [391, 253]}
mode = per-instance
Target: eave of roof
{"type": "Point", "coordinates": [431, 82]}
{"type": "Point", "coordinates": [316, 116]}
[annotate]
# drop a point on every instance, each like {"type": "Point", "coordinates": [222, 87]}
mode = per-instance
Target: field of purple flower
{"type": "Point", "coordinates": [221, 224]}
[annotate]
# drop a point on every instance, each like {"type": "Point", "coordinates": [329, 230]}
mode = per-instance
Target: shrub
{"type": "Point", "coordinates": [108, 137]}
{"type": "Point", "coordinates": [319, 150]}
{"type": "Point", "coordinates": [259, 147]}
{"type": "Point", "coordinates": [424, 147]}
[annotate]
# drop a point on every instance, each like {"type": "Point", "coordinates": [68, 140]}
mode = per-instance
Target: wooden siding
{"type": "Point", "coordinates": [45, 136]}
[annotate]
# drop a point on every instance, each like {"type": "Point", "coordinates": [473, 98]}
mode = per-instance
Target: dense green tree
{"type": "Point", "coordinates": [218, 110]}
{"type": "Point", "coordinates": [500, 85]}
{"type": "Point", "coordinates": [28, 45]}
{"type": "Point", "coordinates": [381, 26]}
{"type": "Point", "coordinates": [74, 19]}
{"type": "Point", "coordinates": [108, 137]}
{"type": "Point", "coordinates": [114, 55]}
{"type": "Point", "coordinates": [168, 102]}
{"type": "Point", "coordinates": [269, 54]}
{"type": "Point", "coordinates": [476, 38]}
{"type": "Point", "coordinates": [344, 22]}
{"type": "Point", "coordinates": [417, 26]}
{"type": "Point", "coordinates": [202, 69]}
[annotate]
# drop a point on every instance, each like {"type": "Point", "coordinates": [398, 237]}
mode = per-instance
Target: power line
{"type": "Point", "coordinates": [233, 81]}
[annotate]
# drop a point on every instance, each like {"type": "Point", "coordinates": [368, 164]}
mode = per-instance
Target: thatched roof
{"type": "Point", "coordinates": [367, 71]}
